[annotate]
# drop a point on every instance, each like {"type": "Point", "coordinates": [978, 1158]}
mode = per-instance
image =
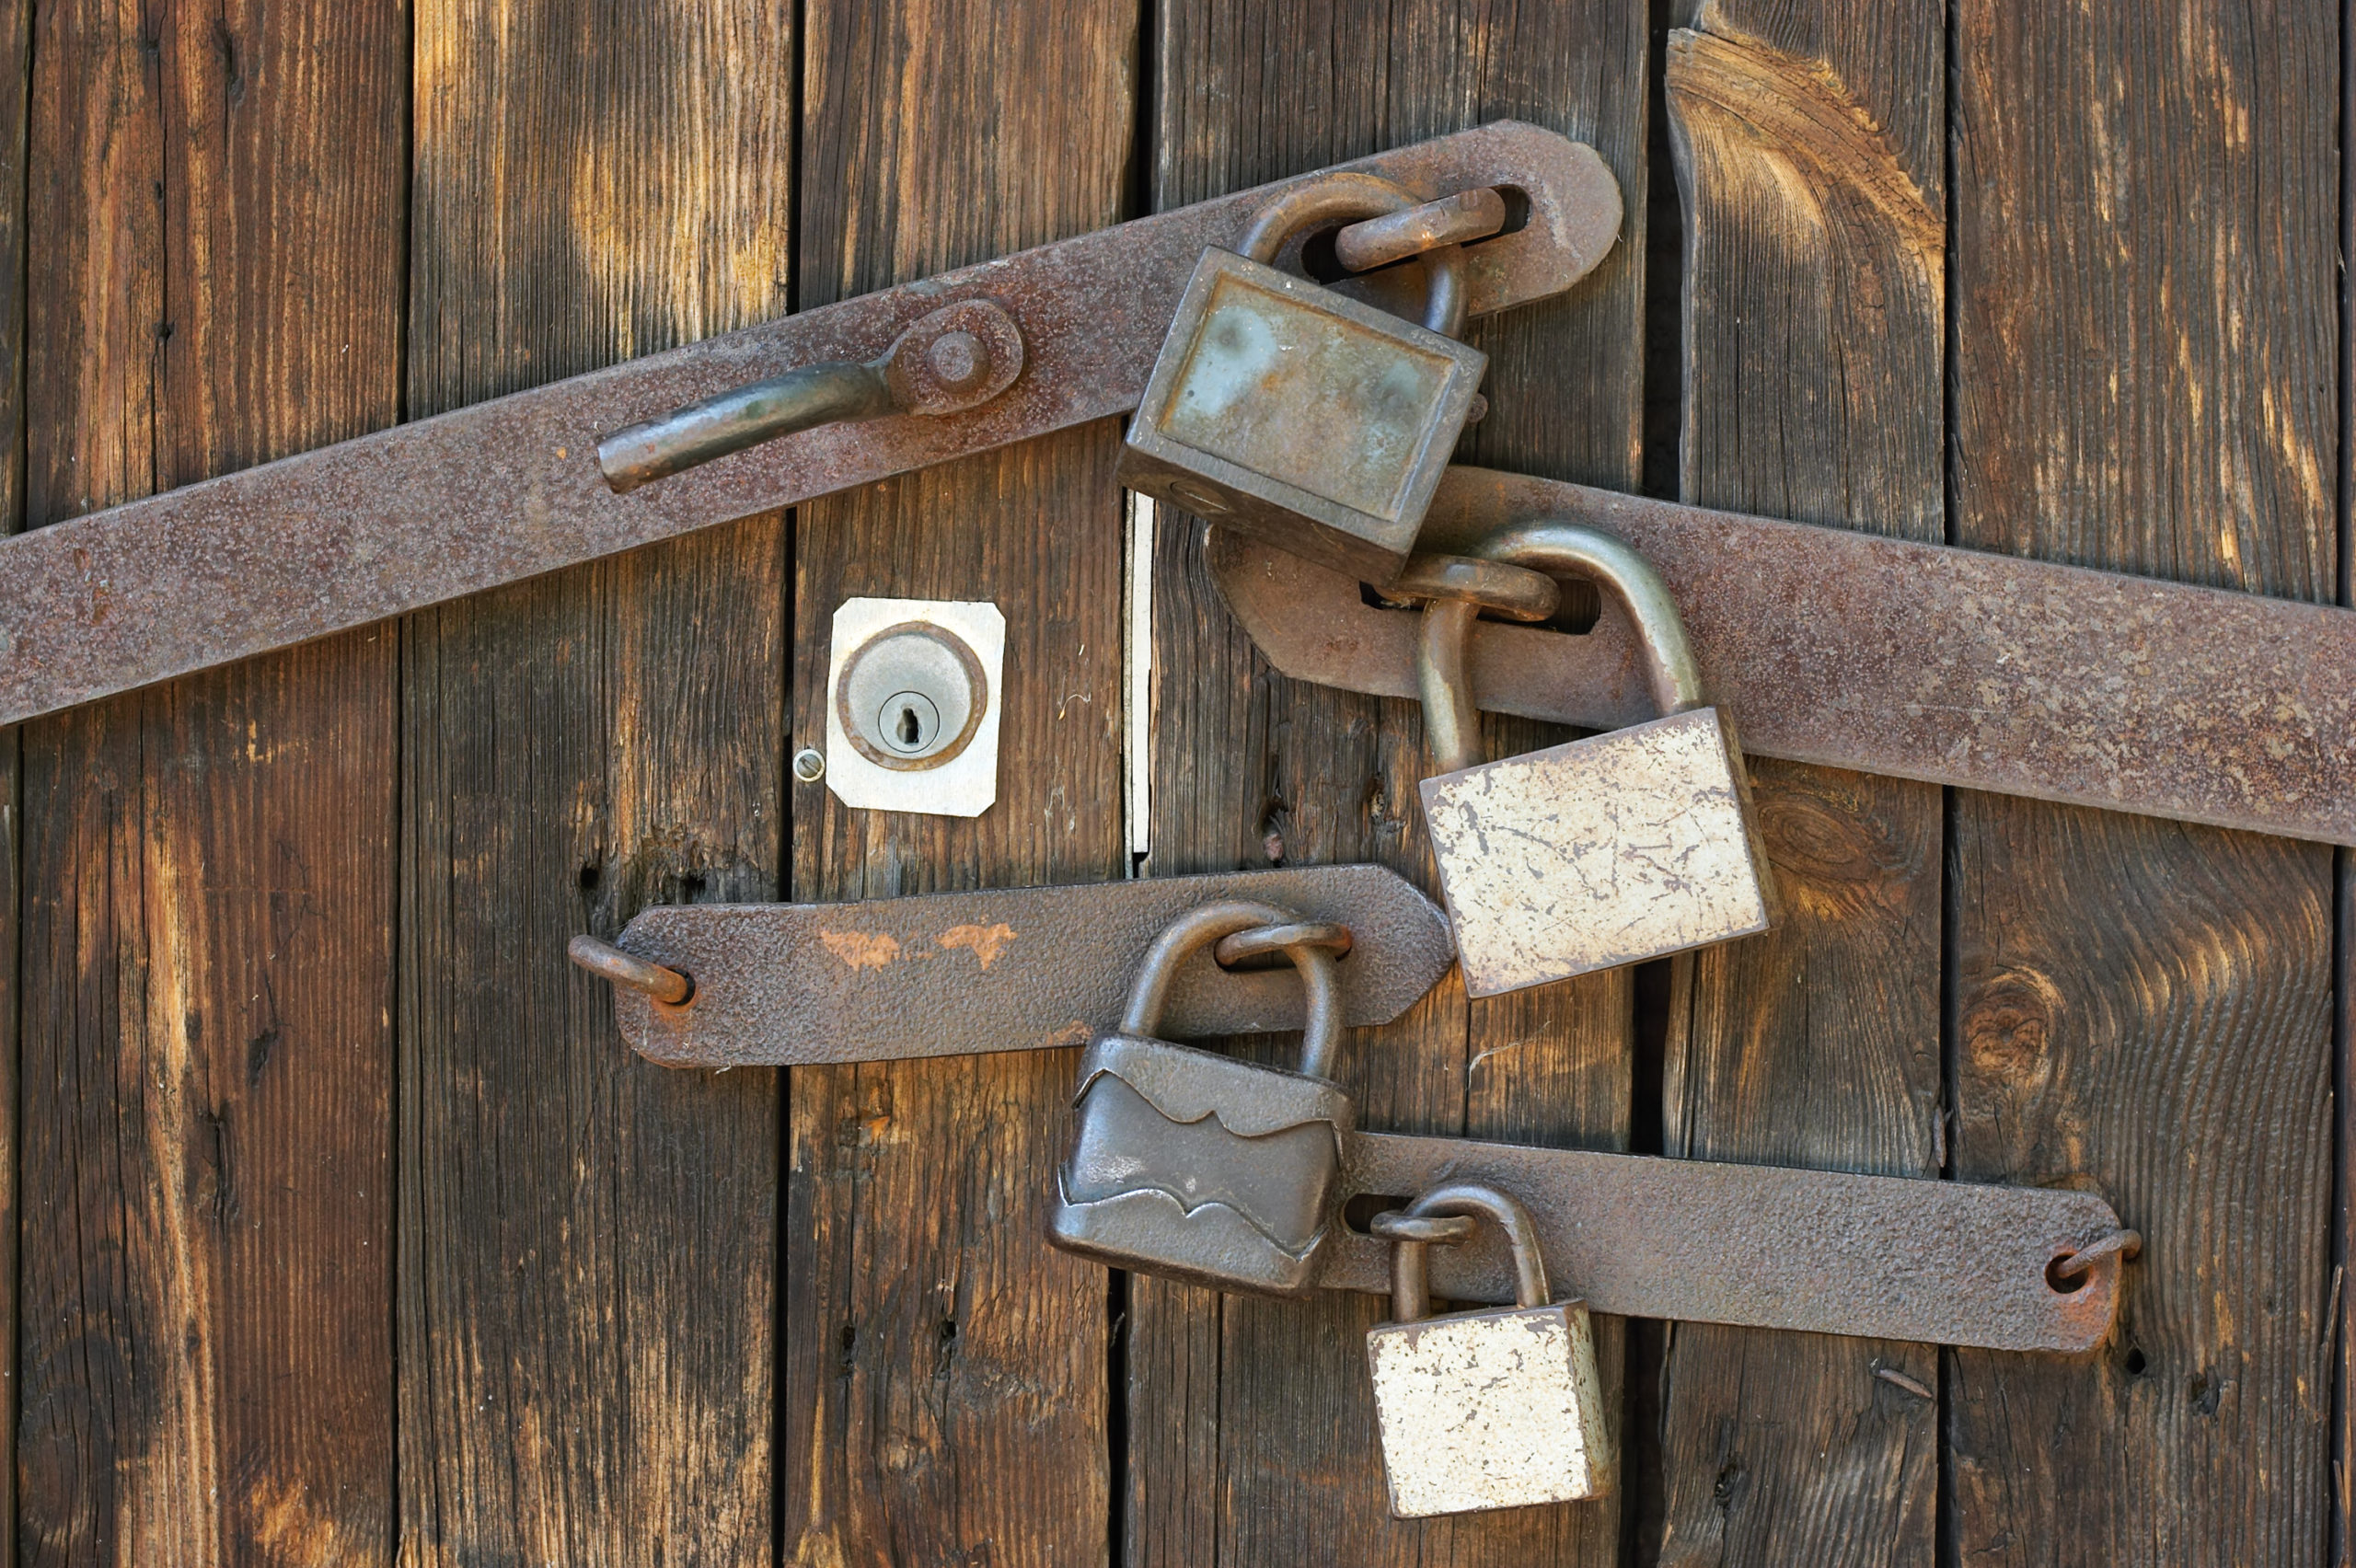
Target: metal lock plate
{"type": "Point", "coordinates": [914, 696]}
{"type": "Point", "coordinates": [1281, 408]}
{"type": "Point", "coordinates": [1200, 1167]}
{"type": "Point", "coordinates": [1491, 1410]}
{"type": "Point", "coordinates": [1605, 851]}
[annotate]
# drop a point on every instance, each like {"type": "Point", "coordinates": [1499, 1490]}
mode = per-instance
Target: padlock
{"type": "Point", "coordinates": [1289, 411]}
{"type": "Point", "coordinates": [1620, 848]}
{"type": "Point", "coordinates": [1499, 1409]}
{"type": "Point", "coordinates": [1195, 1165]}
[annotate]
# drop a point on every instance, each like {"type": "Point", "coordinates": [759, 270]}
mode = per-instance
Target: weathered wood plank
{"type": "Point", "coordinates": [1809, 142]}
{"type": "Point", "coordinates": [1251, 1425]}
{"type": "Point", "coordinates": [945, 1369]}
{"type": "Point", "coordinates": [206, 1221]}
{"type": "Point", "coordinates": [16, 82]}
{"type": "Point", "coordinates": [2143, 378]}
{"type": "Point", "coordinates": [588, 1242]}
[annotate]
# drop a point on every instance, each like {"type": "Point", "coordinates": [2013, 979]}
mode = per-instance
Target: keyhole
{"type": "Point", "coordinates": [910, 723]}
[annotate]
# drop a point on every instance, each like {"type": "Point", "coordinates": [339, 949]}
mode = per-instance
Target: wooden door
{"type": "Point", "coordinates": [342, 1228]}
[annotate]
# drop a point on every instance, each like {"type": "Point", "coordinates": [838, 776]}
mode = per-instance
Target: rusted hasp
{"type": "Point", "coordinates": [1957, 667]}
{"type": "Point", "coordinates": [510, 488]}
{"type": "Point", "coordinates": [1944, 1262]}
{"type": "Point", "coordinates": [775, 985]}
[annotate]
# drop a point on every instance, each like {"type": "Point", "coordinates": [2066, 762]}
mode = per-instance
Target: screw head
{"type": "Point", "coordinates": [958, 359]}
{"type": "Point", "coordinates": [809, 765]}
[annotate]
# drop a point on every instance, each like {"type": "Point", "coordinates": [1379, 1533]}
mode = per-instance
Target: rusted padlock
{"type": "Point", "coordinates": [1500, 1408]}
{"type": "Point", "coordinates": [1623, 847]}
{"type": "Point", "coordinates": [1284, 408]}
{"type": "Point", "coordinates": [1195, 1165]}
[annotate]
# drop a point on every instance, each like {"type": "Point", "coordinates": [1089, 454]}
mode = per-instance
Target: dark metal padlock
{"type": "Point", "coordinates": [1198, 1166]}
{"type": "Point", "coordinates": [1286, 409]}
{"type": "Point", "coordinates": [1499, 1409]}
{"type": "Point", "coordinates": [1626, 845]}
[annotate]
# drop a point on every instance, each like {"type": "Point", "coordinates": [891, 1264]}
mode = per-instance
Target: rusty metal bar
{"type": "Point", "coordinates": [1957, 667]}
{"type": "Point", "coordinates": [507, 489]}
{"type": "Point", "coordinates": [1947, 1262]}
{"type": "Point", "coordinates": [1018, 969]}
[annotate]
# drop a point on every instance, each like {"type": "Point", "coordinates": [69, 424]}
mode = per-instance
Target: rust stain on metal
{"type": "Point", "coordinates": [862, 950]}
{"type": "Point", "coordinates": [1947, 1262]}
{"type": "Point", "coordinates": [986, 943]}
{"type": "Point", "coordinates": [1953, 666]}
{"type": "Point", "coordinates": [391, 522]}
{"type": "Point", "coordinates": [788, 984]}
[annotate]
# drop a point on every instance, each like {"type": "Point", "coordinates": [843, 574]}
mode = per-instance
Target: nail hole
{"type": "Point", "coordinates": [2136, 1362]}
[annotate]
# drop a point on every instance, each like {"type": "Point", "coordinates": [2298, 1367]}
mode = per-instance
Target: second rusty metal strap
{"type": "Point", "coordinates": [1851, 650]}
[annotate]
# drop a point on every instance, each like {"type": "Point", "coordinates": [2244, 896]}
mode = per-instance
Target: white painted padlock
{"type": "Point", "coordinates": [1499, 1409]}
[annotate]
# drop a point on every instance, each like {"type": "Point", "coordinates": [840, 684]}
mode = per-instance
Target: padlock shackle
{"type": "Point", "coordinates": [1550, 546]}
{"type": "Point", "coordinates": [1425, 1223]}
{"type": "Point", "coordinates": [1455, 591]}
{"type": "Point", "coordinates": [1200, 927]}
{"type": "Point", "coordinates": [1347, 197]}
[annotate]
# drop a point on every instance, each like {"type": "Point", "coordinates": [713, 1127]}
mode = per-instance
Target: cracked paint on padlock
{"type": "Point", "coordinates": [1623, 847]}
{"type": "Point", "coordinates": [1501, 1409]}
{"type": "Point", "coordinates": [1198, 1166]}
{"type": "Point", "coordinates": [1289, 411]}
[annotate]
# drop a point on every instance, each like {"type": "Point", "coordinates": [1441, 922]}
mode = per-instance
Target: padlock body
{"type": "Point", "coordinates": [1200, 1167]}
{"type": "Point", "coordinates": [1610, 851]}
{"type": "Point", "coordinates": [1290, 411]}
{"type": "Point", "coordinates": [1491, 1410]}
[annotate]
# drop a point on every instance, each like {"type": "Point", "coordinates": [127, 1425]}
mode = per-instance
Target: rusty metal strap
{"type": "Point", "coordinates": [1954, 666]}
{"type": "Point", "coordinates": [1943, 1262]}
{"type": "Point", "coordinates": [507, 489]}
{"type": "Point", "coordinates": [776, 985]}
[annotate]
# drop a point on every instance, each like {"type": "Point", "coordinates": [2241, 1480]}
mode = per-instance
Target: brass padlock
{"type": "Point", "coordinates": [1198, 1166]}
{"type": "Point", "coordinates": [1620, 848]}
{"type": "Point", "coordinates": [1499, 1409]}
{"type": "Point", "coordinates": [1289, 411]}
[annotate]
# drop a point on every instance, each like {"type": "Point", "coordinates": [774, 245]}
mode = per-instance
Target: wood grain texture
{"type": "Point", "coordinates": [2144, 380]}
{"type": "Point", "coordinates": [205, 1358]}
{"type": "Point", "coordinates": [16, 83]}
{"type": "Point", "coordinates": [1809, 143]}
{"type": "Point", "coordinates": [587, 1288]}
{"type": "Point", "coordinates": [946, 1388]}
{"type": "Point", "coordinates": [1251, 1425]}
